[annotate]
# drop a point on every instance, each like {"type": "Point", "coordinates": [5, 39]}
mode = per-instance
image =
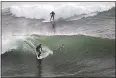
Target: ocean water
{"type": "Point", "coordinates": [81, 45]}
{"type": "Point", "coordinates": [81, 56]}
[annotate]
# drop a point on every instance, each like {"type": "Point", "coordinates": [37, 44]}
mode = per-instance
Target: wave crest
{"type": "Point", "coordinates": [63, 11]}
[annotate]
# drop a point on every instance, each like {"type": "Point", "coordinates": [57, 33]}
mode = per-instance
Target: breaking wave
{"type": "Point", "coordinates": [63, 11]}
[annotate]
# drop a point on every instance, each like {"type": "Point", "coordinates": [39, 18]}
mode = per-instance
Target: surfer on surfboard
{"type": "Point", "coordinates": [52, 15]}
{"type": "Point", "coordinates": [39, 49]}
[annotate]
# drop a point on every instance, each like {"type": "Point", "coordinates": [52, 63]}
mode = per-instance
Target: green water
{"type": "Point", "coordinates": [90, 46]}
{"type": "Point", "coordinates": [81, 56]}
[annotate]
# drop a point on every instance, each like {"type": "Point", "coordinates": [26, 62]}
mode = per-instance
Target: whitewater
{"type": "Point", "coordinates": [62, 11]}
{"type": "Point", "coordinates": [81, 44]}
{"type": "Point", "coordinates": [26, 20]}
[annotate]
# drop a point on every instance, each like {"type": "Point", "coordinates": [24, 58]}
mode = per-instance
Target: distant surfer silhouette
{"type": "Point", "coordinates": [39, 49]}
{"type": "Point", "coordinates": [52, 15]}
{"type": "Point", "coordinates": [60, 47]}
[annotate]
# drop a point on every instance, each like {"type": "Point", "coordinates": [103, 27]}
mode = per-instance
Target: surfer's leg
{"type": "Point", "coordinates": [39, 54]}
{"type": "Point", "coordinates": [50, 18]}
{"type": "Point", "coordinates": [53, 17]}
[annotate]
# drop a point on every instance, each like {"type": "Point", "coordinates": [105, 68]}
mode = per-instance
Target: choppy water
{"type": "Point", "coordinates": [91, 54]}
{"type": "Point", "coordinates": [81, 56]}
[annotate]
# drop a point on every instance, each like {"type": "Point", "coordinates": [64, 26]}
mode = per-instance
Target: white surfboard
{"type": "Point", "coordinates": [45, 21]}
{"type": "Point", "coordinates": [48, 21]}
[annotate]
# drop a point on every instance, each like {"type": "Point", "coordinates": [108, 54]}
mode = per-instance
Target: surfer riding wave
{"type": "Point", "coordinates": [42, 52]}
{"type": "Point", "coordinates": [39, 49]}
{"type": "Point", "coordinates": [52, 15]}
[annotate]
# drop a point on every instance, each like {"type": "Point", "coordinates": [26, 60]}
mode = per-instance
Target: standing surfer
{"type": "Point", "coordinates": [39, 49]}
{"type": "Point", "coordinates": [52, 15]}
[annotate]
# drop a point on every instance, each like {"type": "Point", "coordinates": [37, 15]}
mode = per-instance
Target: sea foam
{"type": "Point", "coordinates": [63, 11]}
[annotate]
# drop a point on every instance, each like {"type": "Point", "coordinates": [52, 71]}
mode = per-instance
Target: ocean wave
{"type": "Point", "coordinates": [79, 56]}
{"type": "Point", "coordinates": [63, 11]}
{"type": "Point", "coordinates": [28, 44]}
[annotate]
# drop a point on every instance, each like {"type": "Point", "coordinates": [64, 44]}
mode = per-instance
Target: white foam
{"type": "Point", "coordinates": [10, 42]}
{"type": "Point", "coordinates": [46, 52]}
{"type": "Point", "coordinates": [63, 11]}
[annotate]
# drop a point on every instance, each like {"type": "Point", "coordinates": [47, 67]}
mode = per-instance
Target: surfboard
{"type": "Point", "coordinates": [49, 21]}
{"type": "Point", "coordinates": [45, 21]}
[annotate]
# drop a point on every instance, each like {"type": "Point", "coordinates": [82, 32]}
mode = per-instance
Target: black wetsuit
{"type": "Point", "coordinates": [38, 49]}
{"type": "Point", "coordinates": [52, 15]}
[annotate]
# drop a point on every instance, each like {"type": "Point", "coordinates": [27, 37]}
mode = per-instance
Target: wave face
{"type": "Point", "coordinates": [63, 11]}
{"type": "Point", "coordinates": [80, 56]}
{"type": "Point", "coordinates": [18, 28]}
